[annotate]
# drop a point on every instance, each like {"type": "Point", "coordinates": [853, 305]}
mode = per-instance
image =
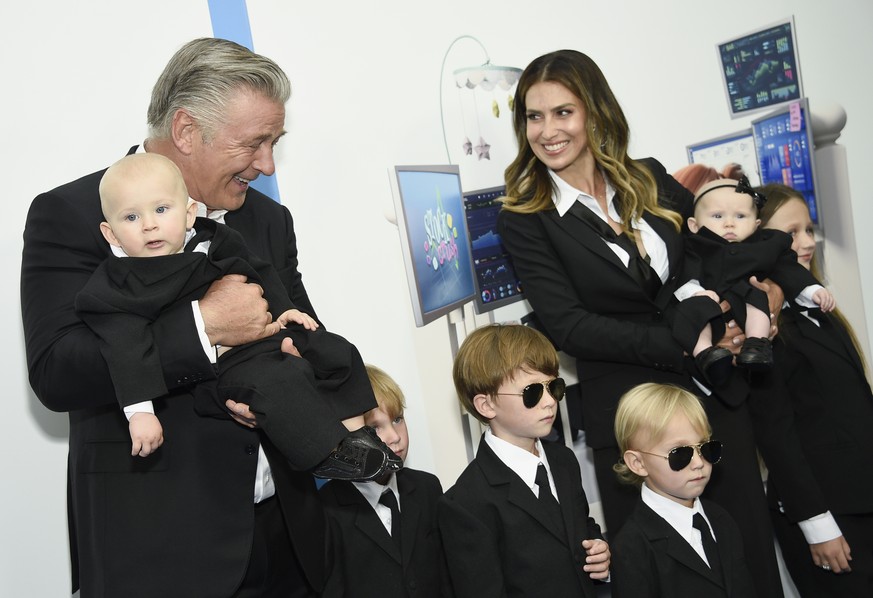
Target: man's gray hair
{"type": "Point", "coordinates": [202, 77]}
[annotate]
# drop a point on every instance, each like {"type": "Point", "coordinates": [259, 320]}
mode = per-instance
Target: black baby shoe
{"type": "Point", "coordinates": [756, 354]}
{"type": "Point", "coordinates": [715, 364]}
{"type": "Point", "coordinates": [360, 457]}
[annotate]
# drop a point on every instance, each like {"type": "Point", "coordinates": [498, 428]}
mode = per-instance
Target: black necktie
{"type": "Point", "coordinates": [546, 498]}
{"type": "Point", "coordinates": [709, 545]}
{"type": "Point", "coordinates": [637, 266]}
{"type": "Point", "coordinates": [389, 500]}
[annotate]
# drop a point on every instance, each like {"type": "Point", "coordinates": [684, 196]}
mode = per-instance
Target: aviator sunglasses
{"type": "Point", "coordinates": [681, 456]}
{"type": "Point", "coordinates": [532, 393]}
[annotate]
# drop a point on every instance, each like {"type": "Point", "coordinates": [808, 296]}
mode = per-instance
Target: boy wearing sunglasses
{"type": "Point", "coordinates": [516, 522]}
{"type": "Point", "coordinates": [674, 545]}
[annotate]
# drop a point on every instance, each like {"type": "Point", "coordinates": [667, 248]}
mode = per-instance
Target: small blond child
{"type": "Point", "coordinates": [516, 522]}
{"type": "Point", "coordinates": [380, 551]}
{"type": "Point", "coordinates": [725, 250]}
{"type": "Point", "coordinates": [674, 545]}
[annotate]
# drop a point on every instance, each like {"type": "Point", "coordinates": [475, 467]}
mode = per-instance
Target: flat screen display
{"type": "Point", "coordinates": [493, 274]}
{"type": "Point", "coordinates": [734, 148]}
{"type": "Point", "coordinates": [436, 252]}
{"type": "Point", "coordinates": [760, 69]}
{"type": "Point", "coordinates": [783, 142]}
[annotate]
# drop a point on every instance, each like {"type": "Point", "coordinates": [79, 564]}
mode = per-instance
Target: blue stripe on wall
{"type": "Point", "coordinates": [230, 20]}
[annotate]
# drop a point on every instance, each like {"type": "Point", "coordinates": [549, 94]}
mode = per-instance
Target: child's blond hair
{"type": "Point", "coordinates": [389, 397]}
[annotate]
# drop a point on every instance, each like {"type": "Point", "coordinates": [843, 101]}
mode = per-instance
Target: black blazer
{"type": "Point", "coordinates": [366, 561]}
{"type": "Point", "coordinates": [498, 539]}
{"type": "Point", "coordinates": [180, 522]}
{"type": "Point", "coordinates": [831, 405]}
{"type": "Point", "coordinates": [596, 312]}
{"type": "Point", "coordinates": [650, 559]}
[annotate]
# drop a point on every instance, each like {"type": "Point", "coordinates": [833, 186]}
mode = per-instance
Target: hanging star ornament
{"type": "Point", "coordinates": [468, 146]}
{"type": "Point", "coordinates": [482, 150]}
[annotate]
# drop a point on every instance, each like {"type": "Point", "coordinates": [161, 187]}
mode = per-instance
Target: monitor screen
{"type": "Point", "coordinates": [436, 252]}
{"type": "Point", "coordinates": [760, 69]}
{"type": "Point", "coordinates": [496, 282]}
{"type": "Point", "coordinates": [783, 142]}
{"type": "Point", "coordinates": [735, 148]}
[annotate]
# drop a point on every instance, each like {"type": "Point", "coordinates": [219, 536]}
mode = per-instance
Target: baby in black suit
{"type": "Point", "coordinates": [674, 545]}
{"type": "Point", "coordinates": [311, 409]}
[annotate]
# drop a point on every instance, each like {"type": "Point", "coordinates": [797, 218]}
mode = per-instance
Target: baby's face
{"type": "Point", "coordinates": [148, 216]}
{"type": "Point", "coordinates": [725, 212]}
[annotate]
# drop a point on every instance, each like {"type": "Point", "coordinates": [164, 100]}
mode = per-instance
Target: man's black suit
{"type": "Point", "coordinates": [595, 311]}
{"type": "Point", "coordinates": [499, 539]}
{"type": "Point", "coordinates": [366, 560]}
{"type": "Point", "coordinates": [179, 523]}
{"type": "Point", "coordinates": [650, 559]}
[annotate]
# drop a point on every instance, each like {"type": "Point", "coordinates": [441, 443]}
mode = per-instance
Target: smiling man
{"type": "Point", "coordinates": [213, 512]}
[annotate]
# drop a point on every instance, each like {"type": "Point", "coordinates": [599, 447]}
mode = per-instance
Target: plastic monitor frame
{"type": "Point", "coordinates": [404, 204]}
{"type": "Point", "coordinates": [728, 140]}
{"type": "Point", "coordinates": [806, 119]}
{"type": "Point", "coordinates": [482, 306]}
{"type": "Point", "coordinates": [749, 37]}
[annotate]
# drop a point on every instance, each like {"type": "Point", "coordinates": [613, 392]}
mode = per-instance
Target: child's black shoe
{"type": "Point", "coordinates": [360, 457]}
{"type": "Point", "coordinates": [756, 354]}
{"type": "Point", "coordinates": [715, 364]}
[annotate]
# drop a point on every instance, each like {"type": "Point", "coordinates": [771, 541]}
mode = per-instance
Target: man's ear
{"type": "Point", "coordinates": [108, 234]}
{"type": "Point", "coordinates": [484, 406]}
{"type": "Point", "coordinates": [692, 225]}
{"type": "Point", "coordinates": [182, 131]}
{"type": "Point", "coordinates": [634, 462]}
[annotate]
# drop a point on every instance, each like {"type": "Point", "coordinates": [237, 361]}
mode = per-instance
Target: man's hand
{"type": "Point", "coordinates": [833, 555]}
{"type": "Point", "coordinates": [597, 561]}
{"type": "Point", "coordinates": [146, 433]}
{"type": "Point", "coordinates": [775, 298]}
{"type": "Point", "coordinates": [240, 411]}
{"type": "Point", "coordinates": [235, 312]}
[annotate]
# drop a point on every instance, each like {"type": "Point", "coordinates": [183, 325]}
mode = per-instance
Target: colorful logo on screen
{"type": "Point", "coordinates": [440, 246]}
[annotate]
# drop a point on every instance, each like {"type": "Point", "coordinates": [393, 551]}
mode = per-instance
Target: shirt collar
{"type": "Point", "coordinates": [372, 491]}
{"type": "Point", "coordinates": [523, 463]}
{"type": "Point", "coordinates": [566, 194]}
{"type": "Point", "coordinates": [680, 517]}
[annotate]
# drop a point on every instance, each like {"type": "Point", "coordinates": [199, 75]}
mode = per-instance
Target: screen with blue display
{"type": "Point", "coordinates": [436, 252]}
{"type": "Point", "coordinates": [783, 142]}
{"type": "Point", "coordinates": [496, 282]}
{"type": "Point", "coordinates": [761, 70]}
{"type": "Point", "coordinates": [734, 148]}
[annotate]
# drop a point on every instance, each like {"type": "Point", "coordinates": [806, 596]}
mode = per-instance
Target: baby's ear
{"type": "Point", "coordinates": [108, 234]}
{"type": "Point", "coordinates": [692, 225]}
{"type": "Point", "coordinates": [757, 224]}
{"type": "Point", "coordinates": [192, 215]}
{"type": "Point", "coordinates": [484, 405]}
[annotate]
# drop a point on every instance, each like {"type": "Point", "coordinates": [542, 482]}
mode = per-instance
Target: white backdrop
{"type": "Point", "coordinates": [365, 76]}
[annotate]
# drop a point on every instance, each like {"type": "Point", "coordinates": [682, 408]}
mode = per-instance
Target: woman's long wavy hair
{"type": "Point", "coordinates": [529, 188]}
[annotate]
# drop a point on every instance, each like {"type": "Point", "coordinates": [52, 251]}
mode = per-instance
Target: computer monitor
{"type": "Point", "coordinates": [761, 70]}
{"type": "Point", "coordinates": [496, 283]}
{"type": "Point", "coordinates": [783, 142]}
{"type": "Point", "coordinates": [436, 251]}
{"type": "Point", "coordinates": [736, 148]}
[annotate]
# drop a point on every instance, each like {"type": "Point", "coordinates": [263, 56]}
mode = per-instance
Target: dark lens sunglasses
{"type": "Point", "coordinates": [532, 393]}
{"type": "Point", "coordinates": [681, 456]}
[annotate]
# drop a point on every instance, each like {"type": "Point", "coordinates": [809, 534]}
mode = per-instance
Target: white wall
{"type": "Point", "coordinates": [365, 75]}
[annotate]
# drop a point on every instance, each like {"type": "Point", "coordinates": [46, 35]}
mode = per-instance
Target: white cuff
{"type": "Point", "coordinates": [804, 299]}
{"type": "Point", "coordinates": [144, 407]}
{"type": "Point", "coordinates": [210, 350]}
{"type": "Point", "coordinates": [821, 528]}
{"type": "Point", "coordinates": [688, 290]}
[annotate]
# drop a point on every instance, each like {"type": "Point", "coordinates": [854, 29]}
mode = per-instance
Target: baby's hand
{"type": "Point", "coordinates": [297, 316]}
{"type": "Point", "coordinates": [824, 299]}
{"type": "Point", "coordinates": [146, 433]}
{"type": "Point", "coordinates": [597, 561]}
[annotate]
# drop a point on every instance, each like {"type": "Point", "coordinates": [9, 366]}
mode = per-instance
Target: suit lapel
{"type": "Point", "coordinates": [725, 548]}
{"type": "Point", "coordinates": [366, 519]}
{"type": "Point", "coordinates": [411, 514]}
{"type": "Point", "coordinates": [831, 336]}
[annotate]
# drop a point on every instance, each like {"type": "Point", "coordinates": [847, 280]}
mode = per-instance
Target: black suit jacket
{"type": "Point", "coordinates": [650, 559]}
{"type": "Point", "coordinates": [595, 311]}
{"type": "Point", "coordinates": [499, 540]}
{"type": "Point", "coordinates": [366, 561]}
{"type": "Point", "coordinates": [180, 522]}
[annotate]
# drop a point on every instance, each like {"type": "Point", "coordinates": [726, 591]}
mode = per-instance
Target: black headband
{"type": "Point", "coordinates": [742, 186]}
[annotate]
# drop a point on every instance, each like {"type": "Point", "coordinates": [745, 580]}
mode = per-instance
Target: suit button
{"type": "Point", "coordinates": [250, 449]}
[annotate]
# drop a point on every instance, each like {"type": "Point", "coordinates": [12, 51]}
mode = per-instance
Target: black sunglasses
{"type": "Point", "coordinates": [532, 393]}
{"type": "Point", "coordinates": [681, 456]}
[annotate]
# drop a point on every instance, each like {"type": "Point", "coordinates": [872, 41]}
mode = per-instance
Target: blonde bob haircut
{"type": "Point", "coordinates": [643, 415]}
{"type": "Point", "coordinates": [389, 397]}
{"type": "Point", "coordinates": [493, 354]}
{"type": "Point", "coordinates": [529, 187]}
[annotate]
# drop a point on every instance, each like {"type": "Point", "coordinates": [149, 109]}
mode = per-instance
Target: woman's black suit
{"type": "Point", "coordinates": [596, 311]}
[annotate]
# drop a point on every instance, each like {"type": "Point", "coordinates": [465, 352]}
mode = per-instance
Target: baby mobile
{"type": "Point", "coordinates": [486, 78]}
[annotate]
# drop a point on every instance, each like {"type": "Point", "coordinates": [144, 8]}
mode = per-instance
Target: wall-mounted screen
{"type": "Point", "coordinates": [496, 282]}
{"type": "Point", "coordinates": [734, 148]}
{"type": "Point", "coordinates": [761, 69]}
{"type": "Point", "coordinates": [436, 252]}
{"type": "Point", "coordinates": [783, 142]}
